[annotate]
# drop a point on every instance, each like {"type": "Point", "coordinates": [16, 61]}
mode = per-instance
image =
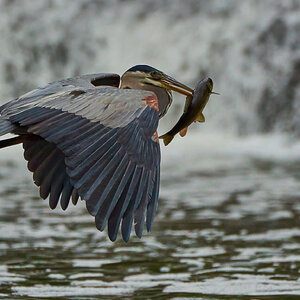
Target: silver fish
{"type": "Point", "coordinates": [193, 108]}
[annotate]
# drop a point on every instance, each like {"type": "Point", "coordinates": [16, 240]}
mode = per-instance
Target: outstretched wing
{"type": "Point", "coordinates": [47, 163]}
{"type": "Point", "coordinates": [83, 81]}
{"type": "Point", "coordinates": [110, 147]}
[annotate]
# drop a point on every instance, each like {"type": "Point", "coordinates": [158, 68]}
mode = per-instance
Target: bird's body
{"type": "Point", "coordinates": [92, 138]}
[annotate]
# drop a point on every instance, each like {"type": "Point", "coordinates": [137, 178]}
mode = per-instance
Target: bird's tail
{"type": "Point", "coordinates": [167, 138]}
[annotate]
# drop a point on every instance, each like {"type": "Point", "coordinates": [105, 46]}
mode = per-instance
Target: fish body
{"type": "Point", "coordinates": [194, 106]}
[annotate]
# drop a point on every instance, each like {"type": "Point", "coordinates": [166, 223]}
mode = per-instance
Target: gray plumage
{"type": "Point", "coordinates": [84, 140]}
{"type": "Point", "coordinates": [94, 137]}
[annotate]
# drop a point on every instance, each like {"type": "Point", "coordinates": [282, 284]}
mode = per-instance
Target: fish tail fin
{"type": "Point", "coordinates": [167, 138]}
{"type": "Point", "coordinates": [183, 131]}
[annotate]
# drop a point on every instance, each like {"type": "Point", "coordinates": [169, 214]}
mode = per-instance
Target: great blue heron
{"type": "Point", "coordinates": [94, 136]}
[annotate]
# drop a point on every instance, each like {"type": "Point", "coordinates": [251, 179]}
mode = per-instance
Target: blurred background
{"type": "Point", "coordinates": [228, 219]}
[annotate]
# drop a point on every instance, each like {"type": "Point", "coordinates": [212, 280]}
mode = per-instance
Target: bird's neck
{"type": "Point", "coordinates": [164, 97]}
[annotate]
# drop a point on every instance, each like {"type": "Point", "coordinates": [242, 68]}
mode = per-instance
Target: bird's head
{"type": "Point", "coordinates": [144, 77]}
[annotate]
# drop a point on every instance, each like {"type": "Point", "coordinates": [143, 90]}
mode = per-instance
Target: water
{"type": "Point", "coordinates": [251, 49]}
{"type": "Point", "coordinates": [227, 225]}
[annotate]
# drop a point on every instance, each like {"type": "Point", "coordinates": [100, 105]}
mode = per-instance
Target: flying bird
{"type": "Point", "coordinates": [95, 137]}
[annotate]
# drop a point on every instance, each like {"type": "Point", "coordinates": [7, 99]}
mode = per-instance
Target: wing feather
{"type": "Point", "coordinates": [107, 207]}
{"type": "Point", "coordinates": [100, 147]}
{"type": "Point", "coordinates": [39, 128]}
{"type": "Point", "coordinates": [89, 171]}
{"type": "Point", "coordinates": [42, 170]}
{"type": "Point", "coordinates": [36, 152]}
{"type": "Point", "coordinates": [140, 209]}
{"type": "Point", "coordinates": [76, 137]}
{"type": "Point", "coordinates": [111, 184]}
{"type": "Point", "coordinates": [56, 188]}
{"type": "Point", "coordinates": [60, 131]}
{"type": "Point", "coordinates": [75, 196]}
{"type": "Point", "coordinates": [38, 156]}
{"type": "Point", "coordinates": [66, 193]}
{"type": "Point", "coordinates": [93, 196]}
{"type": "Point", "coordinates": [32, 148]}
{"type": "Point", "coordinates": [48, 172]}
{"type": "Point", "coordinates": [99, 142]}
{"type": "Point", "coordinates": [152, 205]}
{"type": "Point", "coordinates": [32, 116]}
{"type": "Point", "coordinates": [134, 203]}
{"type": "Point", "coordinates": [119, 210]}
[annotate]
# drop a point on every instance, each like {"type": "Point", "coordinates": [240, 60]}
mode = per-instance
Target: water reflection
{"type": "Point", "coordinates": [228, 224]}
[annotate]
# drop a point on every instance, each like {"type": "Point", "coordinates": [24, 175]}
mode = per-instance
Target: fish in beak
{"type": "Point", "coordinates": [193, 110]}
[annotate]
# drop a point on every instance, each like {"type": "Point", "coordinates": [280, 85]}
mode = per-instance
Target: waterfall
{"type": "Point", "coordinates": [251, 49]}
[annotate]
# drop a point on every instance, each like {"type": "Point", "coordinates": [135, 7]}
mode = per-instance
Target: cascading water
{"type": "Point", "coordinates": [250, 48]}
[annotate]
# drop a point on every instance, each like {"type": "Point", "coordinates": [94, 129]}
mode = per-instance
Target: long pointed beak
{"type": "Point", "coordinates": [215, 93]}
{"type": "Point", "coordinates": [172, 84]}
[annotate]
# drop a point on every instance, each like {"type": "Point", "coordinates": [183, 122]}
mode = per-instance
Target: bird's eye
{"type": "Point", "coordinates": [156, 74]}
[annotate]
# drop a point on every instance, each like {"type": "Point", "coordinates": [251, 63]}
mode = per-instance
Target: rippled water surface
{"type": "Point", "coordinates": [227, 226]}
